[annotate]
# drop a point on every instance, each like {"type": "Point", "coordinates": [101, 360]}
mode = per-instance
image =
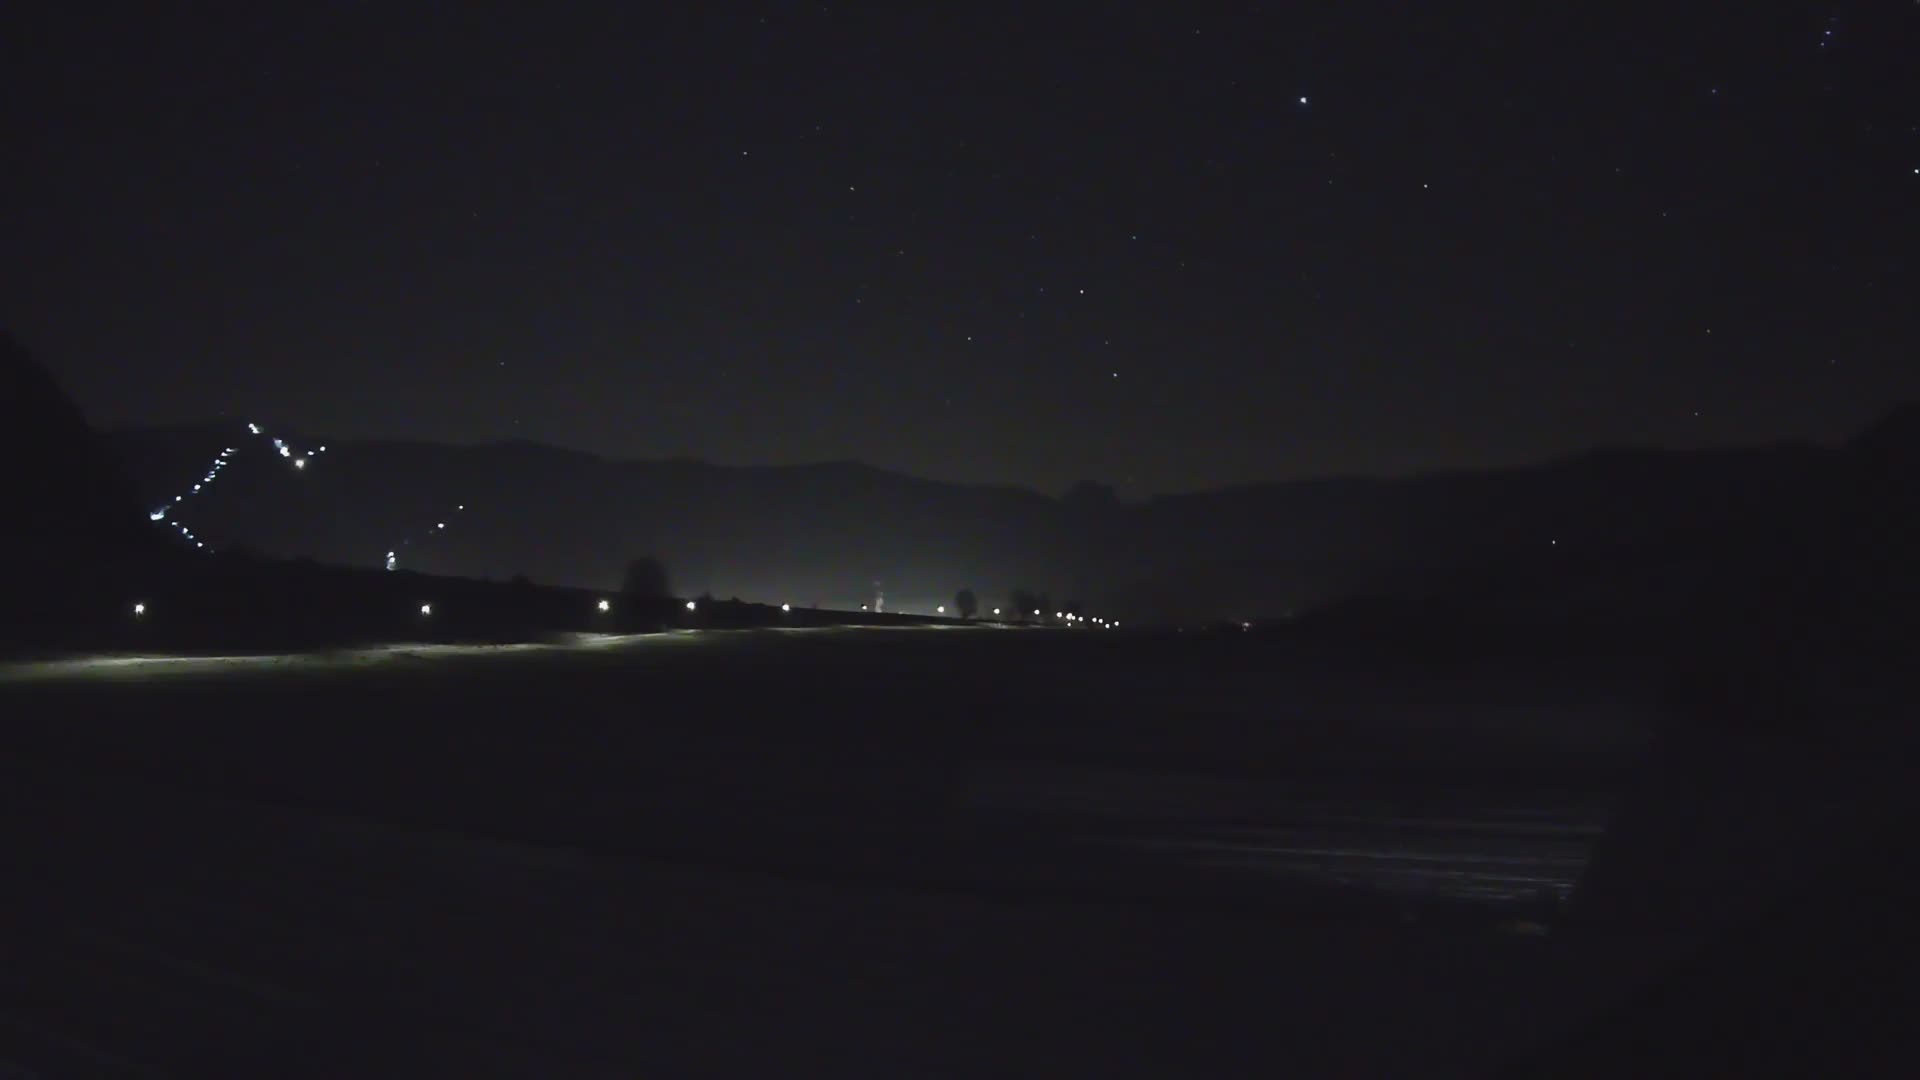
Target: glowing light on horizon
{"type": "Point", "coordinates": [437, 528]}
{"type": "Point", "coordinates": [604, 605]}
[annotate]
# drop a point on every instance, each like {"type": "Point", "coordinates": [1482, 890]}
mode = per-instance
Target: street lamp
{"type": "Point", "coordinates": [605, 605]}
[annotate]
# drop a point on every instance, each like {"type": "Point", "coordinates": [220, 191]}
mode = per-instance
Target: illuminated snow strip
{"type": "Point", "coordinates": [107, 666]}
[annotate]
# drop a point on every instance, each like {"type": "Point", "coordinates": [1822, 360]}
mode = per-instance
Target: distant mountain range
{"type": "Point", "coordinates": [1608, 529]}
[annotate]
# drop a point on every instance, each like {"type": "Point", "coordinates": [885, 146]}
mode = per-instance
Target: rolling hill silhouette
{"type": "Point", "coordinates": [1607, 534]}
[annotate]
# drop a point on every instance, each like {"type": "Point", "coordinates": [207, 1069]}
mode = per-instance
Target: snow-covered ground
{"type": "Point", "coordinates": [863, 852]}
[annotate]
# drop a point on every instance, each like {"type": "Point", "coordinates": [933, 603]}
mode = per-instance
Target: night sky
{"type": "Point", "coordinates": [1135, 244]}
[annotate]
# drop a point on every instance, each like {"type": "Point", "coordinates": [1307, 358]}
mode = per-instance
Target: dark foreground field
{"type": "Point", "coordinates": [839, 852]}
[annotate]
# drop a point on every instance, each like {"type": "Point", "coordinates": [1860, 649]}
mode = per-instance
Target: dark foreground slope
{"type": "Point", "coordinates": [74, 533]}
{"type": "Point", "coordinates": [916, 852]}
{"type": "Point", "coordinates": [933, 852]}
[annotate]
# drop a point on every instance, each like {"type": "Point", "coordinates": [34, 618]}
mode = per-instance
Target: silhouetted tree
{"type": "Point", "coordinates": [1024, 602]}
{"type": "Point", "coordinates": [523, 599]}
{"type": "Point", "coordinates": [646, 579]}
{"type": "Point", "coordinates": [966, 603]}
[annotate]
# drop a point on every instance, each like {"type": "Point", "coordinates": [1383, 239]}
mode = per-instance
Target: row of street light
{"type": "Point", "coordinates": [605, 606]}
